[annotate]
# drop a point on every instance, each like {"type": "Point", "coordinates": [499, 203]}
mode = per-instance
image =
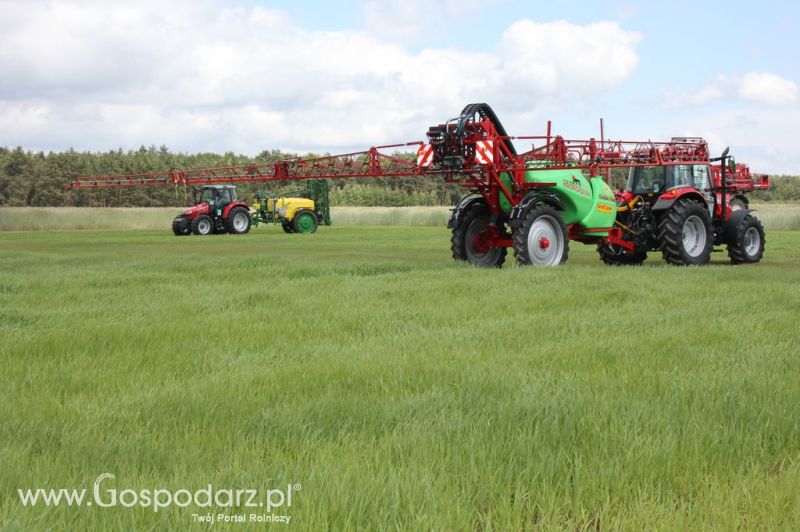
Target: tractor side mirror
{"type": "Point", "coordinates": [731, 165]}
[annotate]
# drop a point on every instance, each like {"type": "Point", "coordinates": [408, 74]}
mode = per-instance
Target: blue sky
{"type": "Point", "coordinates": [244, 76]}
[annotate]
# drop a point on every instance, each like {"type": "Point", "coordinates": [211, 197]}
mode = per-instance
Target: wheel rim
{"type": "Point", "coordinates": [306, 223]}
{"type": "Point", "coordinates": [486, 257]}
{"type": "Point", "coordinates": [240, 222]}
{"type": "Point", "coordinates": [545, 241]}
{"type": "Point", "coordinates": [694, 236]}
{"type": "Point", "coordinates": [204, 227]}
{"type": "Point", "coordinates": [752, 241]}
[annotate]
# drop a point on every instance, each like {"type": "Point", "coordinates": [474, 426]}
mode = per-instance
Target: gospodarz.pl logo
{"type": "Point", "coordinates": [250, 505]}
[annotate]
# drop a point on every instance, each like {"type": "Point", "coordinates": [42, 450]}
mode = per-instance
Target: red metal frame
{"type": "Point", "coordinates": [478, 171]}
{"type": "Point", "coordinates": [740, 179]}
{"type": "Point", "coordinates": [369, 163]}
{"type": "Point", "coordinates": [554, 152]}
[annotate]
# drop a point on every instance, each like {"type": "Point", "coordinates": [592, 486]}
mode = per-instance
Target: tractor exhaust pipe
{"type": "Point", "coordinates": [723, 161]}
{"type": "Point", "coordinates": [724, 198]}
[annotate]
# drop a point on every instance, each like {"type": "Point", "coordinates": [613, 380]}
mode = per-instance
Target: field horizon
{"type": "Point", "coordinates": [775, 216]}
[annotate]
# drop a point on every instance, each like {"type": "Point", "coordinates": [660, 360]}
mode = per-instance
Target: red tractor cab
{"type": "Point", "coordinates": [216, 210]}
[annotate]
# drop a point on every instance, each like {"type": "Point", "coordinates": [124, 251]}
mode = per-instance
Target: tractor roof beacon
{"type": "Point", "coordinates": [679, 200]}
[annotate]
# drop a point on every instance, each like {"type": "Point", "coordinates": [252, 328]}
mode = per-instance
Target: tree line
{"type": "Point", "coordinates": [40, 179]}
{"type": "Point", "coordinates": [29, 178]}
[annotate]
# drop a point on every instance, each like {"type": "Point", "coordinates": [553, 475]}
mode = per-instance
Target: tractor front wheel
{"type": "Point", "coordinates": [684, 233]}
{"type": "Point", "coordinates": [466, 243]}
{"type": "Point", "coordinates": [305, 222]}
{"type": "Point", "coordinates": [238, 221]}
{"type": "Point", "coordinates": [202, 225]}
{"type": "Point", "coordinates": [287, 227]}
{"type": "Point", "coordinates": [541, 238]}
{"type": "Point", "coordinates": [747, 245]}
{"type": "Point", "coordinates": [617, 256]}
{"type": "Point", "coordinates": [180, 227]}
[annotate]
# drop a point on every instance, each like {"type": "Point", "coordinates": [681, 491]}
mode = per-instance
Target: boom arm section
{"type": "Point", "coordinates": [472, 150]}
{"type": "Point", "coordinates": [369, 163]}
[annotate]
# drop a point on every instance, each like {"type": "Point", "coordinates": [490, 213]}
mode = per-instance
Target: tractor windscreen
{"type": "Point", "coordinates": [646, 179]}
{"type": "Point", "coordinates": [658, 179]}
{"type": "Point", "coordinates": [206, 195]}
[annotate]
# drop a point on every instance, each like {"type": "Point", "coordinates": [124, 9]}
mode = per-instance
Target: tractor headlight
{"type": "Point", "coordinates": [282, 211]}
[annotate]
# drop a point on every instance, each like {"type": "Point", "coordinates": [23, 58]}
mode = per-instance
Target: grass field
{"type": "Point", "coordinates": [776, 216]}
{"type": "Point", "coordinates": [401, 390]}
{"type": "Point", "coordinates": [100, 219]}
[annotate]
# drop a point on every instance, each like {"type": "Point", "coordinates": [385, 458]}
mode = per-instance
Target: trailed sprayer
{"type": "Point", "coordinates": [678, 200]}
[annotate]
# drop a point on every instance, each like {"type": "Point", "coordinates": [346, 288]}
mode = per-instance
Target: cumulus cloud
{"type": "Point", "coordinates": [552, 57]}
{"type": "Point", "coordinates": [410, 19]}
{"type": "Point", "coordinates": [698, 98]}
{"type": "Point", "coordinates": [757, 87]}
{"type": "Point", "coordinates": [205, 75]}
{"type": "Point", "coordinates": [769, 89]}
{"type": "Point", "coordinates": [762, 138]}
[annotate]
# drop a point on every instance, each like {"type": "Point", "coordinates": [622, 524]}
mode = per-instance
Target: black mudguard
{"type": "Point", "coordinates": [662, 204]}
{"type": "Point", "coordinates": [182, 221]}
{"type": "Point", "coordinates": [729, 234]}
{"type": "Point", "coordinates": [461, 207]}
{"type": "Point", "coordinates": [522, 208]}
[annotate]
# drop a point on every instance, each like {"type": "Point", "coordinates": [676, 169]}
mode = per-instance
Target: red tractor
{"type": "Point", "coordinates": [684, 211]}
{"type": "Point", "coordinates": [215, 210]}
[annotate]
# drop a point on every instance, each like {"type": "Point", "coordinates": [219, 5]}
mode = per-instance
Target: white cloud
{"type": "Point", "coordinates": [709, 93]}
{"type": "Point", "coordinates": [770, 89]}
{"type": "Point", "coordinates": [204, 76]}
{"type": "Point", "coordinates": [410, 19]}
{"type": "Point", "coordinates": [762, 138]}
{"type": "Point", "coordinates": [560, 56]}
{"type": "Point", "coordinates": [757, 87]}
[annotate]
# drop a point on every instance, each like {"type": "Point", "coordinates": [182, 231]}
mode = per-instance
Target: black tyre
{"type": "Point", "coordinates": [462, 240]}
{"type": "Point", "coordinates": [180, 227]}
{"type": "Point", "coordinates": [748, 243]}
{"type": "Point", "coordinates": [684, 233]}
{"type": "Point", "coordinates": [617, 256]}
{"type": "Point", "coordinates": [238, 221]}
{"type": "Point", "coordinates": [541, 238]}
{"type": "Point", "coordinates": [305, 221]}
{"type": "Point", "coordinates": [202, 225]}
{"type": "Point", "coordinates": [287, 227]}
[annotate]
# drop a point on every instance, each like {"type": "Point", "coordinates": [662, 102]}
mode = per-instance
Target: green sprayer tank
{"type": "Point", "coordinates": [588, 202]}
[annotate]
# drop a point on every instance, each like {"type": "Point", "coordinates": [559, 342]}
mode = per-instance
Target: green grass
{"type": "Point", "coordinates": [400, 389]}
{"type": "Point", "coordinates": [776, 216]}
{"type": "Point", "coordinates": [105, 219]}
{"type": "Point", "coordinates": [779, 216]}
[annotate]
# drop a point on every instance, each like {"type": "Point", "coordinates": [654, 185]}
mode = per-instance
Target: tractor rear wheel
{"type": "Point", "coordinates": [617, 256]}
{"type": "Point", "coordinates": [202, 225]}
{"type": "Point", "coordinates": [238, 221]}
{"type": "Point", "coordinates": [305, 221]}
{"type": "Point", "coordinates": [541, 238]}
{"type": "Point", "coordinates": [684, 233]}
{"type": "Point", "coordinates": [465, 244]}
{"type": "Point", "coordinates": [747, 246]}
{"type": "Point", "coordinates": [287, 227]}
